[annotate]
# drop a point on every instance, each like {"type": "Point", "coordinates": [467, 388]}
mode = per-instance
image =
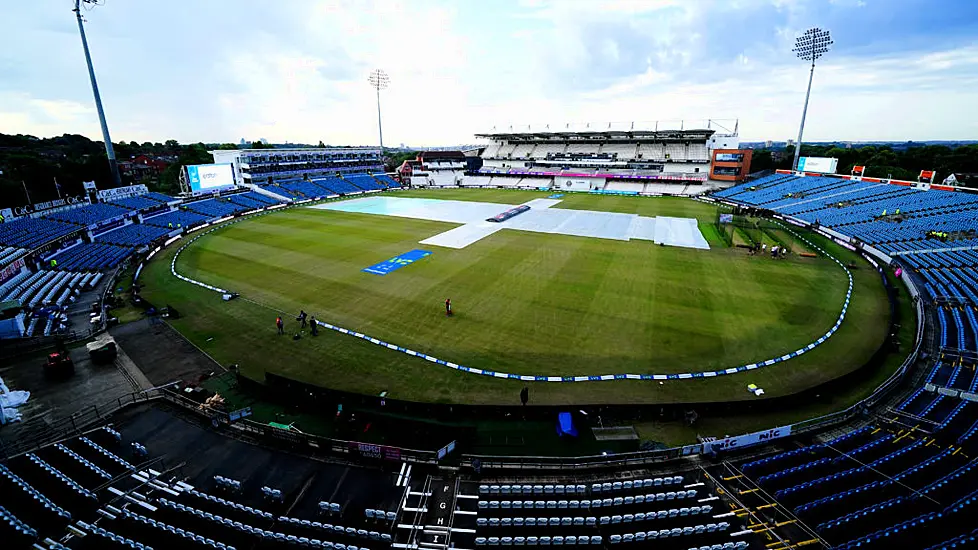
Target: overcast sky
{"type": "Point", "coordinates": [296, 70]}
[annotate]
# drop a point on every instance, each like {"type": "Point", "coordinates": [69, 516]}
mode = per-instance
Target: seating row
{"type": "Point", "coordinates": [132, 235]}
{"type": "Point", "coordinates": [592, 520]}
{"type": "Point", "coordinates": [586, 504]}
{"type": "Point", "coordinates": [579, 489]}
{"type": "Point", "coordinates": [89, 214]}
{"type": "Point", "coordinates": [29, 233]}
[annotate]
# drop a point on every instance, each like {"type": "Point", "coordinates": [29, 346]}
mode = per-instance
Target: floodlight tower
{"type": "Point", "coordinates": [379, 81]}
{"type": "Point", "coordinates": [811, 45]}
{"type": "Point", "coordinates": [109, 151]}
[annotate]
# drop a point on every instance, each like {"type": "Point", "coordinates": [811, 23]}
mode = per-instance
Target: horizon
{"type": "Point", "coordinates": [298, 72]}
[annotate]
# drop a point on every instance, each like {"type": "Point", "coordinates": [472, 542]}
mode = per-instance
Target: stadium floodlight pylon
{"type": "Point", "coordinates": [379, 81]}
{"type": "Point", "coordinates": [109, 150]}
{"type": "Point", "coordinates": [811, 45]}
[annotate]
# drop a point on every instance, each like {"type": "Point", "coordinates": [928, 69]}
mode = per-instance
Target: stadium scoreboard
{"type": "Point", "coordinates": [822, 165]}
{"type": "Point", "coordinates": [209, 178]}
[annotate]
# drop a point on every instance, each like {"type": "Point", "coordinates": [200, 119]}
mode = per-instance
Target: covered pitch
{"type": "Point", "coordinates": [541, 218]}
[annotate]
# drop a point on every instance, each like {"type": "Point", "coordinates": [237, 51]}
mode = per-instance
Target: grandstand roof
{"type": "Point", "coordinates": [703, 133]}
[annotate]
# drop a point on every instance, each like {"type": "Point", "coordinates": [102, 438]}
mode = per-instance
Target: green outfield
{"type": "Point", "coordinates": [525, 303]}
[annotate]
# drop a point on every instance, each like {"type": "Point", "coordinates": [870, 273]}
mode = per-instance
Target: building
{"type": "Point", "coordinates": [644, 152]}
{"type": "Point", "coordinates": [439, 167]}
{"type": "Point", "coordinates": [730, 164]}
{"type": "Point", "coordinates": [631, 160]}
{"type": "Point", "coordinates": [254, 166]}
{"type": "Point", "coordinates": [142, 166]}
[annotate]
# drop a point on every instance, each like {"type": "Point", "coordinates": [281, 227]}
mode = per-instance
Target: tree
{"type": "Point", "coordinates": [321, 145]}
{"type": "Point", "coordinates": [227, 147]}
{"type": "Point", "coordinates": [260, 145]}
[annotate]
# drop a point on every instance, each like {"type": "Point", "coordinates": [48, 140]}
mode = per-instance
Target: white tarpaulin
{"type": "Point", "coordinates": [541, 218]}
{"type": "Point", "coordinates": [9, 401]}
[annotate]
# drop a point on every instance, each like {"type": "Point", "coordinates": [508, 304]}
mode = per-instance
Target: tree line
{"type": "Point", "coordinates": [883, 161]}
{"type": "Point", "coordinates": [36, 163]}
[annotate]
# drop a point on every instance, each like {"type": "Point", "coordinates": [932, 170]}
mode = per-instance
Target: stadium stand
{"type": "Point", "coordinates": [159, 197]}
{"type": "Point", "coordinates": [176, 219]}
{"type": "Point", "coordinates": [138, 202]}
{"type": "Point", "coordinates": [338, 186]}
{"type": "Point", "coordinates": [90, 257]}
{"type": "Point", "coordinates": [132, 235]}
{"type": "Point", "coordinates": [29, 233]}
{"type": "Point", "coordinates": [89, 214]}
{"type": "Point", "coordinates": [304, 189]}
{"type": "Point", "coordinates": [908, 479]}
{"type": "Point", "coordinates": [364, 181]}
{"type": "Point", "coordinates": [384, 179]}
{"type": "Point", "coordinates": [252, 200]}
{"type": "Point", "coordinates": [215, 208]}
{"type": "Point", "coordinates": [9, 254]}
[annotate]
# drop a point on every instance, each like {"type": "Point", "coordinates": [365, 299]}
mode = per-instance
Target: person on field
{"type": "Point", "coordinates": [313, 326]}
{"type": "Point", "coordinates": [301, 318]}
{"type": "Point", "coordinates": [448, 307]}
{"type": "Point", "coordinates": [280, 325]}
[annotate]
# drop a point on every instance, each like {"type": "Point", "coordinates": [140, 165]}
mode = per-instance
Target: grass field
{"type": "Point", "coordinates": [525, 303]}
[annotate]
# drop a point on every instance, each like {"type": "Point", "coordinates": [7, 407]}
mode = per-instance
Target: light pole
{"type": "Point", "coordinates": [109, 151]}
{"type": "Point", "coordinates": [809, 46]}
{"type": "Point", "coordinates": [379, 81]}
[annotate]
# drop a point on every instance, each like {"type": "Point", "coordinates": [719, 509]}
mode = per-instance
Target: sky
{"type": "Point", "coordinates": [296, 70]}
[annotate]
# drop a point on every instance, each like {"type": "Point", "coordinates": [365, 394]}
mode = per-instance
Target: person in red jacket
{"type": "Point", "coordinates": [280, 325]}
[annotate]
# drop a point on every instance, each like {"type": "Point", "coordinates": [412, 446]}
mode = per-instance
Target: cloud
{"type": "Point", "coordinates": [22, 114]}
{"type": "Point", "coordinates": [222, 70]}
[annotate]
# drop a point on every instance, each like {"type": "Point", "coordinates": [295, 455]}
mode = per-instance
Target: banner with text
{"type": "Point", "coordinates": [106, 195]}
{"type": "Point", "coordinates": [741, 441]}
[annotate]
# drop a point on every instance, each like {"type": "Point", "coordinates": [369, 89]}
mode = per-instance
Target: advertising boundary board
{"type": "Point", "coordinates": [746, 440]}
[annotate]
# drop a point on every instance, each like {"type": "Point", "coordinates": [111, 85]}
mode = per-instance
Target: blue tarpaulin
{"type": "Point", "coordinates": [565, 425]}
{"type": "Point", "coordinates": [397, 262]}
